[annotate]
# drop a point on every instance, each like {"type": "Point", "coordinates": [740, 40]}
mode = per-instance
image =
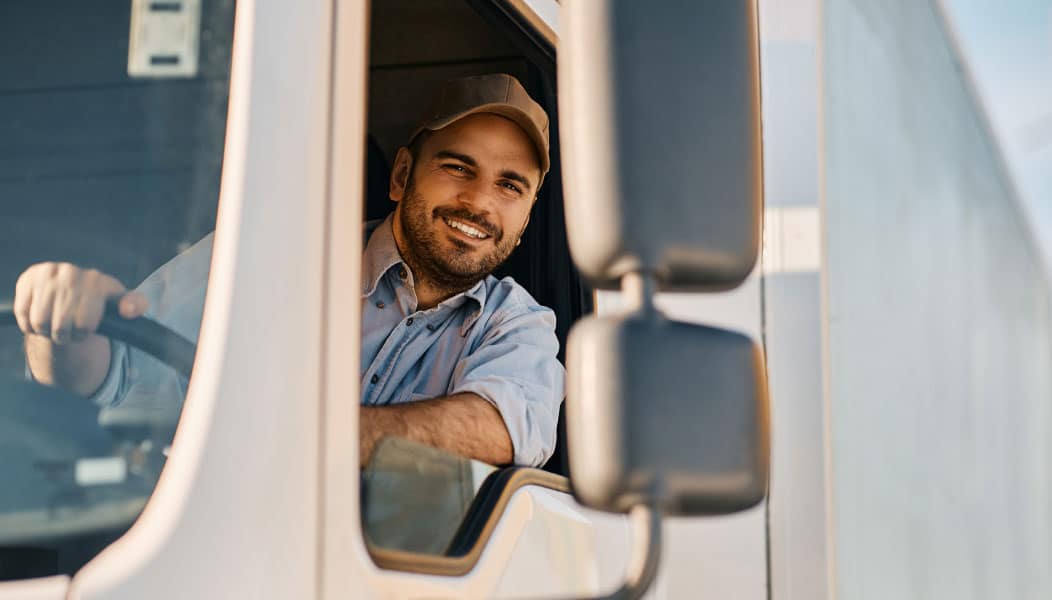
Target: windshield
{"type": "Point", "coordinates": [111, 150]}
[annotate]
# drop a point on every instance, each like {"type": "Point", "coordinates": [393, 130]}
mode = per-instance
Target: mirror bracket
{"type": "Point", "coordinates": [638, 289]}
{"type": "Point", "coordinates": [646, 553]}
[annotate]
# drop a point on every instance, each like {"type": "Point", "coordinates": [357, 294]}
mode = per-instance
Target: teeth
{"type": "Point", "coordinates": [468, 229]}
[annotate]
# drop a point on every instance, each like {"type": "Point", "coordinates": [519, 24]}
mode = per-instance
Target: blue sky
{"type": "Point", "coordinates": [1007, 45]}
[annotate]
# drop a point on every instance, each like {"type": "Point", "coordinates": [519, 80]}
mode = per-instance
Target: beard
{"type": "Point", "coordinates": [456, 268]}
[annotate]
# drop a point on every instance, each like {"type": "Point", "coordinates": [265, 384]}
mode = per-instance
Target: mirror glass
{"type": "Point", "coordinates": [662, 138]}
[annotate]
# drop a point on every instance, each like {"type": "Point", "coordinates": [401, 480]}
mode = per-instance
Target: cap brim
{"type": "Point", "coordinates": [509, 112]}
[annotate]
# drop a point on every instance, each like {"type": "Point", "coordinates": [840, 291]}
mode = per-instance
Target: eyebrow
{"type": "Point", "coordinates": [471, 162]}
{"type": "Point", "coordinates": [464, 158]}
{"type": "Point", "coordinates": [514, 176]}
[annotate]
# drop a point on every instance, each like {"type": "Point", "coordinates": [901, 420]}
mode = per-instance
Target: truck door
{"type": "Point", "coordinates": [265, 125]}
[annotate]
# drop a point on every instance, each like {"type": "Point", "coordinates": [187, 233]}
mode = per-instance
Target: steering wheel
{"type": "Point", "coordinates": [145, 334]}
{"type": "Point", "coordinates": [42, 408]}
{"type": "Point", "coordinates": [49, 438]}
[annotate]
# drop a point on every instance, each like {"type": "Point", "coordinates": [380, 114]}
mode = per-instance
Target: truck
{"type": "Point", "coordinates": [804, 321]}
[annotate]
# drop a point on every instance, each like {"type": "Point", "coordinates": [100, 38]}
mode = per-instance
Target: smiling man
{"type": "Point", "coordinates": [451, 356]}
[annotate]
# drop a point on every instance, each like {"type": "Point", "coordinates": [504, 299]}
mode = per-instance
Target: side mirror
{"type": "Point", "coordinates": [659, 106]}
{"type": "Point", "coordinates": [660, 110]}
{"type": "Point", "coordinates": [666, 414]}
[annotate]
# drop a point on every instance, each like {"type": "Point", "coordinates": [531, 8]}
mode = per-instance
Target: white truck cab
{"type": "Point", "coordinates": [750, 412]}
{"type": "Point", "coordinates": [275, 122]}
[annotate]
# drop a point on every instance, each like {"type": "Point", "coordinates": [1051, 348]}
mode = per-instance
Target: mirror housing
{"type": "Point", "coordinates": [666, 414]}
{"type": "Point", "coordinates": [662, 158]}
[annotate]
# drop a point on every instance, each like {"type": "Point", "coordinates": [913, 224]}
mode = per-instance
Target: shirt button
{"type": "Point", "coordinates": [430, 327]}
{"type": "Point", "coordinates": [375, 378]}
{"type": "Point", "coordinates": [409, 321]}
{"type": "Point", "coordinates": [402, 273]}
{"type": "Point", "coordinates": [379, 305]}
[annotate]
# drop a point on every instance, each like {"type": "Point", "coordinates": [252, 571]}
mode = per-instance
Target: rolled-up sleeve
{"type": "Point", "coordinates": [515, 367]}
{"type": "Point", "coordinates": [110, 390]}
{"type": "Point", "coordinates": [115, 384]}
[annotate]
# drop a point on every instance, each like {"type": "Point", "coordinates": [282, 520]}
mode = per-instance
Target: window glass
{"type": "Point", "coordinates": [111, 149]}
{"type": "Point", "coordinates": [415, 497]}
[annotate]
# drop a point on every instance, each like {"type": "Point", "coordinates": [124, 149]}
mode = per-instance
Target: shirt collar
{"type": "Point", "coordinates": [381, 254]}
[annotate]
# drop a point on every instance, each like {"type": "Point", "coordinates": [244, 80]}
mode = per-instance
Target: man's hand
{"type": "Point", "coordinates": [464, 424]}
{"type": "Point", "coordinates": [59, 306]}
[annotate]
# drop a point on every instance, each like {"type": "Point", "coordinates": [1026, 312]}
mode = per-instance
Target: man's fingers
{"type": "Point", "coordinates": [64, 302]}
{"type": "Point", "coordinates": [23, 299]}
{"type": "Point", "coordinates": [67, 289]}
{"type": "Point", "coordinates": [132, 305]}
{"type": "Point", "coordinates": [40, 312]}
{"type": "Point", "coordinates": [87, 316]}
{"type": "Point", "coordinates": [61, 327]}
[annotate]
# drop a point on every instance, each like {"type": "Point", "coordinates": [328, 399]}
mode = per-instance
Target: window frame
{"type": "Point", "coordinates": [342, 535]}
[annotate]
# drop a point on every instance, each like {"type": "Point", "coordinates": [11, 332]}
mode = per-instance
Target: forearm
{"type": "Point", "coordinates": [464, 424]}
{"type": "Point", "coordinates": [79, 367]}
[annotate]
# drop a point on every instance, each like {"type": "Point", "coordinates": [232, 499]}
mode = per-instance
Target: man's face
{"type": "Point", "coordinates": [465, 201]}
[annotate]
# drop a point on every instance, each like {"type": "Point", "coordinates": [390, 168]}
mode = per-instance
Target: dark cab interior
{"type": "Point", "coordinates": [415, 46]}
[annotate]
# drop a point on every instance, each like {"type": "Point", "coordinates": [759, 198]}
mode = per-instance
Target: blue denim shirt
{"type": "Point", "coordinates": [493, 340]}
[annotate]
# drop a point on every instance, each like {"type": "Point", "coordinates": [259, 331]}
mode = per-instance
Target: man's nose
{"type": "Point", "coordinates": [477, 197]}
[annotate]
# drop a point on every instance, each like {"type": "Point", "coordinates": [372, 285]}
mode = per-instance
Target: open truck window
{"type": "Point", "coordinates": [418, 502]}
{"type": "Point", "coordinates": [111, 149]}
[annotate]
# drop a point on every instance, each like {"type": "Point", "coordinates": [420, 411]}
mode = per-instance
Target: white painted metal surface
{"type": "Point", "coordinates": [792, 260]}
{"type": "Point", "coordinates": [44, 588]}
{"type": "Point", "coordinates": [792, 240]}
{"type": "Point", "coordinates": [565, 550]}
{"type": "Point", "coordinates": [940, 328]}
{"type": "Point", "coordinates": [235, 513]}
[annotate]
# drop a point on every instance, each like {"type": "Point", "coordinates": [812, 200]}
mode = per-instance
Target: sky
{"type": "Point", "coordinates": [1007, 47]}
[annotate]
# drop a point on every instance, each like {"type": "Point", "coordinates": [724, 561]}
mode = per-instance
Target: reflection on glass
{"type": "Point", "coordinates": [114, 170]}
{"type": "Point", "coordinates": [415, 497]}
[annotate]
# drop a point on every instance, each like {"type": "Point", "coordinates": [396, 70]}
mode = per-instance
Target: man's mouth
{"type": "Point", "coordinates": [468, 230]}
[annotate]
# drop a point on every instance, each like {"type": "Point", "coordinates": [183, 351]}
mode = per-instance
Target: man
{"type": "Point", "coordinates": [451, 357]}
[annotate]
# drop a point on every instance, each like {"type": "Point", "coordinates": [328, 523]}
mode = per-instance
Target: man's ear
{"type": "Point", "coordinates": [522, 231]}
{"type": "Point", "coordinates": [403, 166]}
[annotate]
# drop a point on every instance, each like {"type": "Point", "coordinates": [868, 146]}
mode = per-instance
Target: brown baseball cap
{"type": "Point", "coordinates": [497, 93]}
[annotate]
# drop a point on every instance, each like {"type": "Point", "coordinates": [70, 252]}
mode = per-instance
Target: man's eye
{"type": "Point", "coordinates": [512, 187]}
{"type": "Point", "coordinates": [455, 168]}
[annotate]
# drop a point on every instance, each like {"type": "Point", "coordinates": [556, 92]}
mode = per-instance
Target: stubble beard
{"type": "Point", "coordinates": [451, 270]}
